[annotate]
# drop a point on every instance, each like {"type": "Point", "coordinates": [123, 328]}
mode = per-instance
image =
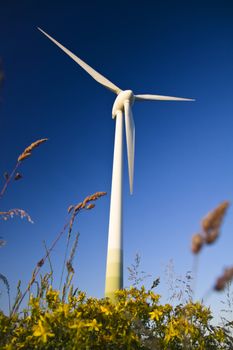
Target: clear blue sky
{"type": "Point", "coordinates": [184, 151]}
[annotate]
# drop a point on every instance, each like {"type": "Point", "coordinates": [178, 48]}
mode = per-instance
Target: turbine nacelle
{"type": "Point", "coordinates": [122, 98]}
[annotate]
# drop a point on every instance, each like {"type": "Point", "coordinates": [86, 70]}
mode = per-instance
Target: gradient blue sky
{"type": "Point", "coordinates": [184, 151]}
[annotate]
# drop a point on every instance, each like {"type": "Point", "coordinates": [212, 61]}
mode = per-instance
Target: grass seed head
{"type": "Point", "coordinates": [222, 281]}
{"type": "Point", "coordinates": [6, 175]}
{"type": "Point", "coordinates": [23, 156]}
{"type": "Point", "coordinates": [214, 218]}
{"type": "Point", "coordinates": [71, 207]}
{"type": "Point", "coordinates": [212, 236]}
{"type": "Point", "coordinates": [78, 207]}
{"type": "Point", "coordinates": [18, 176]}
{"type": "Point", "coordinates": [5, 215]}
{"type": "Point", "coordinates": [2, 242]}
{"type": "Point", "coordinates": [34, 145]}
{"type": "Point", "coordinates": [197, 243]}
{"type": "Point", "coordinates": [70, 267]}
{"type": "Point", "coordinates": [90, 206]}
{"type": "Point", "coordinates": [40, 263]}
{"type": "Point", "coordinates": [28, 151]}
{"type": "Point", "coordinates": [91, 198]}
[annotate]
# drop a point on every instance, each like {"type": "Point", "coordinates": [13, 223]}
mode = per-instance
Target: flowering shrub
{"type": "Point", "coordinates": [136, 320]}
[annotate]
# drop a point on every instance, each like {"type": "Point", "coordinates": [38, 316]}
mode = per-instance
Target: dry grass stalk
{"type": "Point", "coordinates": [212, 222]}
{"type": "Point", "coordinates": [18, 176]}
{"type": "Point", "coordinates": [2, 242]}
{"type": "Point", "coordinates": [6, 175]}
{"type": "Point", "coordinates": [73, 250]}
{"type": "Point", "coordinates": [8, 179]}
{"type": "Point", "coordinates": [18, 296]}
{"type": "Point", "coordinates": [69, 267]}
{"type": "Point", "coordinates": [90, 206]}
{"type": "Point", "coordinates": [7, 285]}
{"type": "Point", "coordinates": [28, 151]}
{"type": "Point", "coordinates": [91, 198]}
{"type": "Point", "coordinates": [5, 215]}
{"type": "Point", "coordinates": [71, 207]}
{"type": "Point", "coordinates": [197, 243]}
{"type": "Point", "coordinates": [211, 225]}
{"type": "Point", "coordinates": [41, 262]}
{"type": "Point", "coordinates": [135, 274]}
{"type": "Point", "coordinates": [5, 282]}
{"type": "Point", "coordinates": [75, 209]}
{"type": "Point", "coordinates": [50, 263]}
{"type": "Point", "coordinates": [2, 75]}
{"type": "Point", "coordinates": [223, 280]}
{"type": "Point", "coordinates": [84, 204]}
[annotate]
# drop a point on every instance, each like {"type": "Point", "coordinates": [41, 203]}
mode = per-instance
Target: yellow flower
{"type": "Point", "coordinates": [105, 310]}
{"type": "Point", "coordinates": [9, 347]}
{"type": "Point", "coordinates": [154, 297]}
{"type": "Point", "coordinates": [220, 335]}
{"type": "Point", "coordinates": [52, 297]}
{"type": "Point", "coordinates": [42, 330]}
{"type": "Point", "coordinates": [81, 296]}
{"type": "Point", "coordinates": [171, 332]}
{"type": "Point", "coordinates": [77, 325]}
{"type": "Point", "coordinates": [93, 325]}
{"type": "Point", "coordinates": [63, 309]}
{"type": "Point", "coordinates": [155, 315]}
{"type": "Point", "coordinates": [34, 302]}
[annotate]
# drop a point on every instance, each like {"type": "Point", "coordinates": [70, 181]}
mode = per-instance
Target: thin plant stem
{"type": "Point", "coordinates": [207, 295]}
{"type": "Point", "coordinates": [195, 273]}
{"type": "Point", "coordinates": [9, 179]}
{"type": "Point", "coordinates": [81, 206]}
{"type": "Point", "coordinates": [65, 258]}
{"type": "Point", "coordinates": [9, 301]}
{"type": "Point", "coordinates": [67, 246]}
{"type": "Point", "coordinates": [50, 264]}
{"type": "Point", "coordinates": [7, 285]}
{"type": "Point", "coordinates": [37, 269]}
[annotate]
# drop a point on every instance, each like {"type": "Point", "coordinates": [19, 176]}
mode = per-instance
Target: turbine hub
{"type": "Point", "coordinates": [126, 95]}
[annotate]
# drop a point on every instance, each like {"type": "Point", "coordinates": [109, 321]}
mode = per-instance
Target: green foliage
{"type": "Point", "coordinates": [136, 320]}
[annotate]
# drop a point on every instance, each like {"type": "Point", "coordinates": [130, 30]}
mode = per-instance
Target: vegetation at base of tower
{"type": "Point", "coordinates": [137, 320]}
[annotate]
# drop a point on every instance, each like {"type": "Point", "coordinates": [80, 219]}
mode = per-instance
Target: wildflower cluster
{"type": "Point", "coordinates": [136, 320]}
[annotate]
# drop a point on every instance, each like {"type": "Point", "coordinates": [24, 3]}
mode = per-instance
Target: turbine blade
{"type": "Point", "coordinates": [161, 98]}
{"type": "Point", "coordinates": [97, 76]}
{"type": "Point", "coordinates": [130, 140]}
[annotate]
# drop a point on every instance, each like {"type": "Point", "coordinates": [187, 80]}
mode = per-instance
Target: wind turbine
{"type": "Point", "coordinates": [121, 108]}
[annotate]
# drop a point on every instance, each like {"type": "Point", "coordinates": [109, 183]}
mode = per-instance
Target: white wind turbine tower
{"type": "Point", "coordinates": [121, 108]}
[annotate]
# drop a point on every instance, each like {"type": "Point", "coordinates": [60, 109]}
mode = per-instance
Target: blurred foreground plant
{"type": "Point", "coordinates": [211, 225]}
